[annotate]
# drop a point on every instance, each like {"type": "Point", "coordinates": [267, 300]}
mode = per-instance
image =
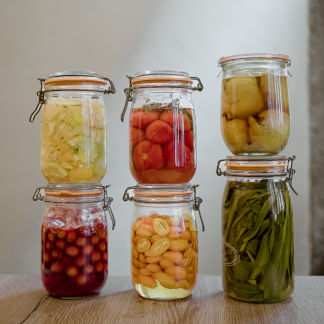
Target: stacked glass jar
{"type": "Point", "coordinates": [162, 152]}
{"type": "Point", "coordinates": [258, 247]}
{"type": "Point", "coordinates": [73, 161]}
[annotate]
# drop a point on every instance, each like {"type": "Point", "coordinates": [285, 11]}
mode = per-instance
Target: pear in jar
{"type": "Point", "coordinates": [241, 97]}
{"type": "Point", "coordinates": [269, 131]}
{"type": "Point", "coordinates": [274, 89]}
{"type": "Point", "coordinates": [235, 133]}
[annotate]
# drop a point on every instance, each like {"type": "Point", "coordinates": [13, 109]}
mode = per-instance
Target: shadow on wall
{"type": "Point", "coordinates": [316, 95]}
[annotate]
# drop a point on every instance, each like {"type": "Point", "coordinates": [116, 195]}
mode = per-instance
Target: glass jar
{"type": "Point", "coordinates": [164, 241]}
{"type": "Point", "coordinates": [162, 127]}
{"type": "Point", "coordinates": [255, 116]}
{"type": "Point", "coordinates": [258, 241]}
{"type": "Point", "coordinates": [74, 240]}
{"type": "Point", "coordinates": [74, 128]}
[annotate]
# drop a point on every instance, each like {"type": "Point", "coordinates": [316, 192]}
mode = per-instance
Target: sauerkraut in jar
{"type": "Point", "coordinates": [74, 128]}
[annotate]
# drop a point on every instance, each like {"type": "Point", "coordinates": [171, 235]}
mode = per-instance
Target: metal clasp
{"type": "Point", "coordinates": [219, 171]}
{"type": "Point", "coordinates": [38, 195]}
{"type": "Point", "coordinates": [111, 88]}
{"type": "Point", "coordinates": [41, 100]}
{"type": "Point", "coordinates": [291, 171]}
{"type": "Point", "coordinates": [106, 206]}
{"type": "Point", "coordinates": [129, 97]}
{"type": "Point", "coordinates": [196, 206]}
{"type": "Point", "coordinates": [126, 196]}
{"type": "Point", "coordinates": [199, 86]}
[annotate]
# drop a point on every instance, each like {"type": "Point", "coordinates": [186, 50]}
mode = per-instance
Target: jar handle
{"type": "Point", "coordinates": [111, 88]}
{"type": "Point", "coordinates": [37, 194]}
{"type": "Point", "coordinates": [199, 86]}
{"type": "Point", "coordinates": [219, 171]}
{"type": "Point", "coordinates": [126, 195]}
{"type": "Point", "coordinates": [196, 206]}
{"type": "Point", "coordinates": [129, 97]}
{"type": "Point", "coordinates": [106, 207]}
{"type": "Point", "coordinates": [41, 101]}
{"type": "Point", "coordinates": [291, 172]}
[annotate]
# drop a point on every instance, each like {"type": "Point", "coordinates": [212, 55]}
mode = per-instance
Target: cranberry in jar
{"type": "Point", "coordinates": [74, 241]}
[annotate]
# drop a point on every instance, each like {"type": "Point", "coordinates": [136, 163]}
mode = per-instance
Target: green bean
{"type": "Point", "coordinates": [257, 220]}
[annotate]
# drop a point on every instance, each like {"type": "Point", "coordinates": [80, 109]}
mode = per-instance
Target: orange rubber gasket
{"type": "Point", "coordinates": [74, 80]}
{"type": "Point", "coordinates": [277, 57]}
{"type": "Point", "coordinates": [259, 167]}
{"type": "Point", "coordinates": [163, 194]}
{"type": "Point", "coordinates": [66, 193]}
{"type": "Point", "coordinates": [157, 80]}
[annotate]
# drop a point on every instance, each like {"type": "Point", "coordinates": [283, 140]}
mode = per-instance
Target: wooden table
{"type": "Point", "coordinates": [23, 300]}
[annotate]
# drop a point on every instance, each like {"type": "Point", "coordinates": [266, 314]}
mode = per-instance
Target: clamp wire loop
{"type": "Point", "coordinates": [41, 101]}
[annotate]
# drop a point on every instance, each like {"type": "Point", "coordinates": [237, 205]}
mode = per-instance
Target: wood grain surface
{"type": "Point", "coordinates": [23, 300]}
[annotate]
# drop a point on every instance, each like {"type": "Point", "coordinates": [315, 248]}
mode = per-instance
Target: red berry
{"type": "Point", "coordinates": [102, 246]}
{"type": "Point", "coordinates": [80, 261]}
{"type": "Point", "coordinates": [105, 256]}
{"type": "Point", "coordinates": [88, 269]}
{"type": "Point", "coordinates": [60, 244]}
{"type": "Point", "coordinates": [106, 267]}
{"type": "Point", "coordinates": [94, 240]}
{"type": "Point", "coordinates": [56, 254]}
{"type": "Point", "coordinates": [57, 267]}
{"type": "Point", "coordinates": [71, 271]}
{"type": "Point", "coordinates": [99, 266]}
{"type": "Point", "coordinates": [87, 249]}
{"type": "Point", "coordinates": [102, 234]}
{"type": "Point", "coordinates": [51, 237]}
{"type": "Point", "coordinates": [81, 279]}
{"type": "Point", "coordinates": [95, 256]}
{"type": "Point", "coordinates": [72, 251]}
{"type": "Point", "coordinates": [61, 234]}
{"type": "Point", "coordinates": [46, 257]}
{"type": "Point", "coordinates": [81, 241]}
{"type": "Point", "coordinates": [48, 245]}
{"type": "Point", "coordinates": [71, 236]}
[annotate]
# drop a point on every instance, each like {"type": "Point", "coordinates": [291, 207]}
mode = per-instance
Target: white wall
{"type": "Point", "coordinates": [116, 38]}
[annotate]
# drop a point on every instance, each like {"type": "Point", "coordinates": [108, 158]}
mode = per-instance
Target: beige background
{"type": "Point", "coordinates": [116, 38]}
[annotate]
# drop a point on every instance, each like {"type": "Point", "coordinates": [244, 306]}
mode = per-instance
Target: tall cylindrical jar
{"type": "Point", "coordinates": [255, 116]}
{"type": "Point", "coordinates": [258, 240]}
{"type": "Point", "coordinates": [162, 127]}
{"type": "Point", "coordinates": [164, 241]}
{"type": "Point", "coordinates": [74, 127]}
{"type": "Point", "coordinates": [74, 240]}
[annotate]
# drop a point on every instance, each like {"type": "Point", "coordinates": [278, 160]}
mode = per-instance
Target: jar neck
{"type": "Point", "coordinates": [164, 204]}
{"type": "Point", "coordinates": [254, 68]}
{"type": "Point", "coordinates": [278, 178]}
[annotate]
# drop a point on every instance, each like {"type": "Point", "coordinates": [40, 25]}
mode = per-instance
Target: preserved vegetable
{"type": "Point", "coordinates": [162, 145]}
{"type": "Point", "coordinates": [258, 263]}
{"type": "Point", "coordinates": [73, 148]}
{"type": "Point", "coordinates": [164, 255]}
